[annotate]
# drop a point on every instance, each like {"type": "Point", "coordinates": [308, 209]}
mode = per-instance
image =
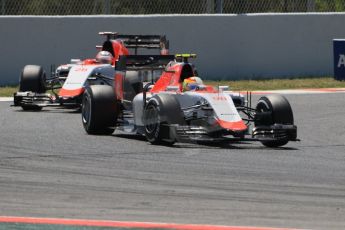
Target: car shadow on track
{"type": "Point", "coordinates": [207, 145]}
{"type": "Point", "coordinates": [50, 110]}
{"type": "Point", "coordinates": [236, 145]}
{"type": "Point", "coordinates": [130, 136]}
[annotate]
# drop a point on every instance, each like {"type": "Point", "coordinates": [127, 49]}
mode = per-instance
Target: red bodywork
{"type": "Point", "coordinates": [65, 93]}
{"type": "Point", "coordinates": [175, 75]}
{"type": "Point", "coordinates": [119, 49]}
{"type": "Point", "coordinates": [115, 47]}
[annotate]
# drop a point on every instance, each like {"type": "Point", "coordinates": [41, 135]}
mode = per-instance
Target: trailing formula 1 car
{"type": "Point", "coordinates": [178, 107]}
{"type": "Point", "coordinates": [71, 79]}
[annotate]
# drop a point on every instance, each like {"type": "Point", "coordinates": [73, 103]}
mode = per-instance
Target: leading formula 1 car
{"type": "Point", "coordinates": [72, 78]}
{"type": "Point", "coordinates": [165, 112]}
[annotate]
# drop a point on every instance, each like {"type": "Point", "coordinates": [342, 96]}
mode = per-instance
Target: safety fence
{"type": "Point", "coordinates": [118, 7]}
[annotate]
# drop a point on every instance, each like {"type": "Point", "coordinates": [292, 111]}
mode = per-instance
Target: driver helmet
{"type": "Point", "coordinates": [104, 57]}
{"type": "Point", "coordinates": [191, 83]}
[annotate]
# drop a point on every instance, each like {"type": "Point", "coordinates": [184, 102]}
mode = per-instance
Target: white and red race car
{"type": "Point", "coordinates": [165, 112]}
{"type": "Point", "coordinates": [71, 79]}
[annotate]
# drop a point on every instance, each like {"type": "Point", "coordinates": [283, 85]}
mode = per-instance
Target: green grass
{"type": "Point", "coordinates": [248, 85]}
{"type": "Point", "coordinates": [274, 84]}
{"type": "Point", "coordinates": [7, 91]}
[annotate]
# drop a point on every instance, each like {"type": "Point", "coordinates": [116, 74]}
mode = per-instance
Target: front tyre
{"type": "Point", "coordinates": [271, 110]}
{"type": "Point", "coordinates": [161, 112]}
{"type": "Point", "coordinates": [32, 79]}
{"type": "Point", "coordinates": [99, 110]}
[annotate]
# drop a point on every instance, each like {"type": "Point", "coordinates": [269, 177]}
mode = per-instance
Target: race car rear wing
{"type": "Point", "coordinates": [143, 62]}
{"type": "Point", "coordinates": [140, 41]}
{"type": "Point", "coordinates": [145, 41]}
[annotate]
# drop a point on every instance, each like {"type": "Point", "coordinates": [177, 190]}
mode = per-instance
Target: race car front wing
{"type": "Point", "coordinates": [260, 133]}
{"type": "Point", "coordinates": [43, 100]}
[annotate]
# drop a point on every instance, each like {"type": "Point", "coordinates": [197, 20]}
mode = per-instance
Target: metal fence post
{"type": "Point", "coordinates": [106, 7]}
{"type": "Point", "coordinates": [219, 6]}
{"type": "Point", "coordinates": [311, 6]}
{"type": "Point", "coordinates": [3, 2]}
{"type": "Point", "coordinates": [210, 6]}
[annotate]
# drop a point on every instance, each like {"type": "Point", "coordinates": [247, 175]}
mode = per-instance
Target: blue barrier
{"type": "Point", "coordinates": [339, 59]}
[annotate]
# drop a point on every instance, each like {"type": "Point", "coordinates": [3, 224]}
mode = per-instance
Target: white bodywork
{"type": "Point", "coordinates": [78, 75]}
{"type": "Point", "coordinates": [221, 103]}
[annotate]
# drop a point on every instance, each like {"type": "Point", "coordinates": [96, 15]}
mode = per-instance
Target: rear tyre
{"type": "Point", "coordinates": [99, 110]}
{"type": "Point", "coordinates": [132, 84]}
{"type": "Point", "coordinates": [32, 79]}
{"type": "Point", "coordinates": [160, 113]}
{"type": "Point", "coordinates": [274, 109]}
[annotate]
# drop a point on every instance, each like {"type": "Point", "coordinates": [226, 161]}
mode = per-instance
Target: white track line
{"type": "Point", "coordinates": [6, 98]}
{"type": "Point", "coordinates": [300, 91]}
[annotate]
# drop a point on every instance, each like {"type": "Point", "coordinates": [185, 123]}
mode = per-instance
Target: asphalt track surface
{"type": "Point", "coordinates": [49, 167]}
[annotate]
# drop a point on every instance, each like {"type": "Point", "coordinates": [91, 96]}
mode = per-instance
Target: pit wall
{"type": "Point", "coordinates": [228, 46]}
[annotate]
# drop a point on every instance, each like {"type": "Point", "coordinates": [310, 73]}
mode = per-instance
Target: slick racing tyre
{"type": "Point", "coordinates": [99, 110]}
{"type": "Point", "coordinates": [132, 84]}
{"type": "Point", "coordinates": [161, 112]}
{"type": "Point", "coordinates": [274, 109]}
{"type": "Point", "coordinates": [32, 79]}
